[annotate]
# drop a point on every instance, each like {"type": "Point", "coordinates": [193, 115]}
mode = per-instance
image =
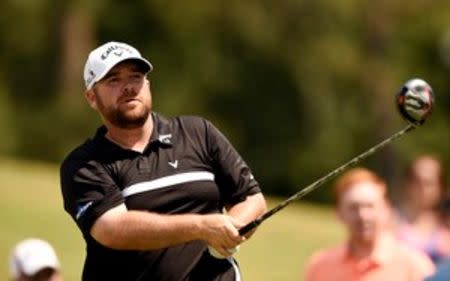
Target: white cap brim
{"type": "Point", "coordinates": [144, 62]}
{"type": "Point", "coordinates": [31, 256]}
{"type": "Point", "coordinates": [33, 266]}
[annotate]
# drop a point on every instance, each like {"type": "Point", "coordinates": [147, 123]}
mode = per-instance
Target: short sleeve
{"type": "Point", "coordinates": [88, 191]}
{"type": "Point", "coordinates": [233, 176]}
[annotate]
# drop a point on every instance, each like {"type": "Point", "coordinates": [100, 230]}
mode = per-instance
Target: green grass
{"type": "Point", "coordinates": [31, 206]}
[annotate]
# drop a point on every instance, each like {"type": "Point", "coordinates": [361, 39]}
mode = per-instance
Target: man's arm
{"type": "Point", "coordinates": [120, 228]}
{"type": "Point", "coordinates": [248, 210]}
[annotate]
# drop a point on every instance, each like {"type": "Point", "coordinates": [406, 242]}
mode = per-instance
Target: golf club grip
{"type": "Point", "coordinates": [248, 227]}
{"type": "Point", "coordinates": [253, 224]}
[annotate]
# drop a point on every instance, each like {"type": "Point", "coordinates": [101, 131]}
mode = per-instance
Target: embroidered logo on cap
{"type": "Point", "coordinates": [115, 50]}
{"type": "Point", "coordinates": [90, 77]}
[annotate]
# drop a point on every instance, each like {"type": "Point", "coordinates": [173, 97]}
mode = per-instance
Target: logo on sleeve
{"type": "Point", "coordinates": [82, 208]}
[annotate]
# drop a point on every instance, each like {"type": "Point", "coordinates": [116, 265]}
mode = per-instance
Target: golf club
{"type": "Point", "coordinates": [414, 101]}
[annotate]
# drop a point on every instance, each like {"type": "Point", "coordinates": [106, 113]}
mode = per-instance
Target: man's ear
{"type": "Point", "coordinates": [91, 98]}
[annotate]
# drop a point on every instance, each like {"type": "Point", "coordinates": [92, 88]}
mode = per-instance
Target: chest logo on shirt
{"type": "Point", "coordinates": [166, 139]}
{"type": "Point", "coordinates": [174, 164]}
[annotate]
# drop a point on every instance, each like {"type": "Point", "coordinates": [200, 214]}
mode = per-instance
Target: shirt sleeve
{"type": "Point", "coordinates": [233, 176]}
{"type": "Point", "coordinates": [88, 191]}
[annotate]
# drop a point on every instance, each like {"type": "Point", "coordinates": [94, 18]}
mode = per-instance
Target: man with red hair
{"type": "Point", "coordinates": [371, 252]}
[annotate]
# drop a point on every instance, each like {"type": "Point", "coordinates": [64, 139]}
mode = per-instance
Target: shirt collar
{"type": "Point", "coordinates": [161, 134]}
{"type": "Point", "coordinates": [162, 131]}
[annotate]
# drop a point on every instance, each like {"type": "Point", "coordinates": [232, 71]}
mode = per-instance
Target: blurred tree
{"type": "Point", "coordinates": [298, 86]}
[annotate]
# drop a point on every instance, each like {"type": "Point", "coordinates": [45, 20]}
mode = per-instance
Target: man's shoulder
{"type": "Point", "coordinates": [192, 120]}
{"type": "Point", "coordinates": [188, 123]}
{"type": "Point", "coordinates": [414, 258]}
{"type": "Point", "coordinates": [80, 154]}
{"type": "Point", "coordinates": [403, 249]}
{"type": "Point", "coordinates": [327, 257]}
{"type": "Point", "coordinates": [324, 264]}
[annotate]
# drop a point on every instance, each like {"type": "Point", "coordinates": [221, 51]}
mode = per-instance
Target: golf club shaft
{"type": "Point", "coordinates": [251, 225]}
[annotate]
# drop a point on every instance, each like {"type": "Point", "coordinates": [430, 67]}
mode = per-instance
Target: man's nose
{"type": "Point", "coordinates": [128, 87]}
{"type": "Point", "coordinates": [363, 213]}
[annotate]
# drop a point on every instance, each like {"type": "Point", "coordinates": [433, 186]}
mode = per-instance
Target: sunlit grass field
{"type": "Point", "coordinates": [31, 206]}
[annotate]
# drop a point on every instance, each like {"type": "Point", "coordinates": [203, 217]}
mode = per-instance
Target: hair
{"type": "Point", "coordinates": [354, 176]}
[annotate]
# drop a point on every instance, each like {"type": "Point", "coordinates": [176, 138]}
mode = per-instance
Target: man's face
{"type": "Point", "coordinates": [123, 96]}
{"type": "Point", "coordinates": [363, 209]}
{"type": "Point", "coordinates": [423, 186]}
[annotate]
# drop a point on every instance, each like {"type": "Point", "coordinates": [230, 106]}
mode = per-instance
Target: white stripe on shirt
{"type": "Point", "coordinates": [167, 181]}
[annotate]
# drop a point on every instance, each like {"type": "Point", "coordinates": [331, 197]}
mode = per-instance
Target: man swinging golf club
{"type": "Point", "coordinates": [147, 191]}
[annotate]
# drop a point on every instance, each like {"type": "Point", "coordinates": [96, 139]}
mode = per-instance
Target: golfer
{"type": "Point", "coordinates": [152, 194]}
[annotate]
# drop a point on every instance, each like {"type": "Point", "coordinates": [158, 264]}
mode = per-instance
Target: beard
{"type": "Point", "coordinates": [124, 120]}
{"type": "Point", "coordinates": [124, 117]}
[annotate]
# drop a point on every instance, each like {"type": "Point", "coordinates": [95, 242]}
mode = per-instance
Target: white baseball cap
{"type": "Point", "coordinates": [31, 256]}
{"type": "Point", "coordinates": [102, 59]}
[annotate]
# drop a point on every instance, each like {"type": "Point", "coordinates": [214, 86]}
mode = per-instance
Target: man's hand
{"type": "Point", "coordinates": [221, 233]}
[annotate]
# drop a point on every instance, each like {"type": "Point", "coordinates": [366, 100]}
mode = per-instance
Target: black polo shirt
{"type": "Point", "coordinates": [187, 167]}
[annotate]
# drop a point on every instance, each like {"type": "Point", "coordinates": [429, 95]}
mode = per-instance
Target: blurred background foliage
{"type": "Point", "coordinates": [299, 87]}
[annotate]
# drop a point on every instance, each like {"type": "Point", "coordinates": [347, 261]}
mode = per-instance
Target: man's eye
{"type": "Point", "coordinates": [113, 80]}
{"type": "Point", "coordinates": [137, 76]}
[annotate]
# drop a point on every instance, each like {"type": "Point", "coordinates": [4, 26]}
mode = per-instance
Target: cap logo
{"type": "Point", "coordinates": [115, 50]}
{"type": "Point", "coordinates": [119, 53]}
{"type": "Point", "coordinates": [90, 77]}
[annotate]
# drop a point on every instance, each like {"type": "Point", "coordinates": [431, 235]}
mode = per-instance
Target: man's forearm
{"type": "Point", "coordinates": [248, 210]}
{"type": "Point", "coordinates": [122, 229]}
{"type": "Point", "coordinates": [138, 230]}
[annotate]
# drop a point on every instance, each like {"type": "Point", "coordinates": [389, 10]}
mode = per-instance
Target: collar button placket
{"type": "Point", "coordinates": [143, 164]}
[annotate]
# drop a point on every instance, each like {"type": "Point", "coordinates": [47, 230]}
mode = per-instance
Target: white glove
{"type": "Point", "coordinates": [213, 252]}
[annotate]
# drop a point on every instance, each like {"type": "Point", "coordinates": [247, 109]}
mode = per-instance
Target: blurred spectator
{"type": "Point", "coordinates": [34, 260]}
{"type": "Point", "coordinates": [371, 252]}
{"type": "Point", "coordinates": [420, 214]}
